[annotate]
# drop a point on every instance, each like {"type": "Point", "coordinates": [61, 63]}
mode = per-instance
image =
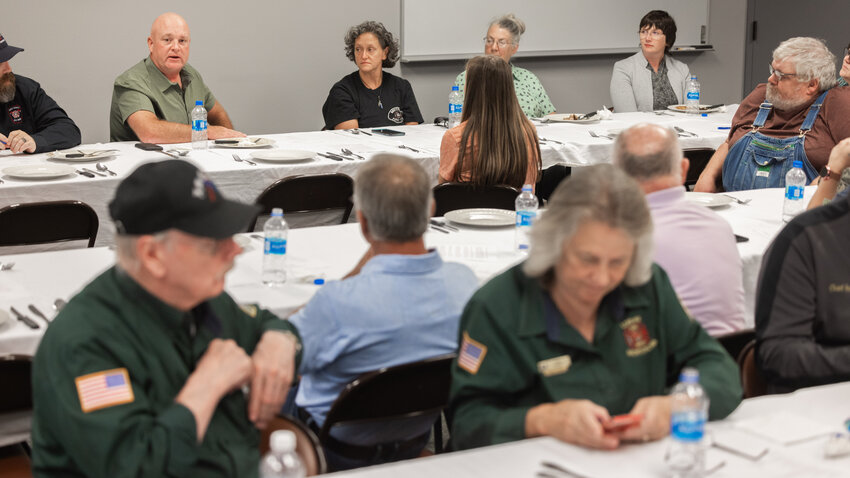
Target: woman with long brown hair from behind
{"type": "Point", "coordinates": [500, 143]}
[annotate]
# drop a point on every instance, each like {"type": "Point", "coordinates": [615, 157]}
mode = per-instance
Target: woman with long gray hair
{"type": "Point", "coordinates": [587, 328]}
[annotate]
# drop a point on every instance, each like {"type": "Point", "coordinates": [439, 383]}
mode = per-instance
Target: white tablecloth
{"type": "Point", "coordinates": [244, 182]}
{"type": "Point", "coordinates": [524, 458]}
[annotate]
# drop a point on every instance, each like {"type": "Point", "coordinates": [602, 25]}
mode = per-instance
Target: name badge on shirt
{"type": "Point", "coordinates": [763, 171]}
{"type": "Point", "coordinates": [554, 366]}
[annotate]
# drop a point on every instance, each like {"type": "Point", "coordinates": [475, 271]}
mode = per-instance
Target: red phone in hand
{"type": "Point", "coordinates": [619, 423]}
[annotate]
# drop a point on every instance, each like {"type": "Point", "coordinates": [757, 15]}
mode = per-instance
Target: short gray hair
{"type": "Point", "coordinates": [593, 193]}
{"type": "Point", "coordinates": [646, 151]}
{"type": "Point", "coordinates": [125, 250]}
{"type": "Point", "coordinates": [512, 24]}
{"type": "Point", "coordinates": [394, 194]}
{"type": "Point", "coordinates": [812, 59]}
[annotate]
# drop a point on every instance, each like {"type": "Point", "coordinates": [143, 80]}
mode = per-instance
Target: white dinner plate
{"type": "Point", "coordinates": [708, 199]}
{"type": "Point", "coordinates": [702, 108]}
{"type": "Point", "coordinates": [482, 217]}
{"type": "Point", "coordinates": [90, 155]}
{"type": "Point", "coordinates": [246, 143]}
{"type": "Point", "coordinates": [571, 118]}
{"type": "Point", "coordinates": [39, 171]}
{"type": "Point", "coordinates": [283, 155]}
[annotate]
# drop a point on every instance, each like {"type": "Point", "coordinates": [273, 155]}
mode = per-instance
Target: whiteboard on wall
{"type": "Point", "coordinates": [455, 29]}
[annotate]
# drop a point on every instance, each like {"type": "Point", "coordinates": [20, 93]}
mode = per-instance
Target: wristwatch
{"type": "Point", "coordinates": [827, 173]}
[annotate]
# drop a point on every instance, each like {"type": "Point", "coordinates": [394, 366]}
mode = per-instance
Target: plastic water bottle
{"type": "Point", "coordinates": [692, 96]}
{"type": "Point", "coordinates": [274, 251]}
{"type": "Point", "coordinates": [455, 107]}
{"type": "Point", "coordinates": [281, 461]}
{"type": "Point", "coordinates": [795, 186]}
{"type": "Point", "coordinates": [686, 456]}
{"type": "Point", "coordinates": [526, 213]}
{"type": "Point", "coordinates": [199, 126]}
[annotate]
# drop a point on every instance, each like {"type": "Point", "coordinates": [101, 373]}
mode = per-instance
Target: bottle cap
{"type": "Point", "coordinates": [198, 102]}
{"type": "Point", "coordinates": [705, 115]}
{"type": "Point", "coordinates": [282, 441]}
{"type": "Point", "coordinates": [455, 88]}
{"type": "Point", "coordinates": [526, 187]}
{"type": "Point", "coordinates": [798, 164]}
{"type": "Point", "coordinates": [689, 375]}
{"type": "Point", "coordinates": [277, 212]}
{"type": "Point", "coordinates": [318, 281]}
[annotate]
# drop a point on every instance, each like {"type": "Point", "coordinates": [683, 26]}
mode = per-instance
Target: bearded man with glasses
{"type": "Point", "coordinates": [795, 116]}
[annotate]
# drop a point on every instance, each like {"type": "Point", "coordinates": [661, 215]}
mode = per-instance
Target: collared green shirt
{"type": "Point", "coordinates": [529, 91]}
{"type": "Point", "coordinates": [144, 88]}
{"type": "Point", "coordinates": [114, 324]}
{"type": "Point", "coordinates": [524, 353]}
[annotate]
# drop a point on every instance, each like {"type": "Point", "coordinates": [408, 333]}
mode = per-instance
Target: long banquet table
{"type": "Point", "coordinates": [565, 143]}
{"type": "Point", "coordinates": [803, 458]}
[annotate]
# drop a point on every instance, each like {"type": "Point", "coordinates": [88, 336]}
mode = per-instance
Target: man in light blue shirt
{"type": "Point", "coordinates": [400, 304]}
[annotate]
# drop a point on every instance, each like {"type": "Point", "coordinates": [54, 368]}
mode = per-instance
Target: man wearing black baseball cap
{"type": "Point", "coordinates": [30, 121]}
{"type": "Point", "coordinates": [143, 372]}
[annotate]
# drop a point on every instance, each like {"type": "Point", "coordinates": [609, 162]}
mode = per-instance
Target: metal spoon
{"type": "Point", "coordinates": [348, 152]}
{"type": "Point", "coordinates": [240, 160]}
{"type": "Point", "coordinates": [102, 167]}
{"type": "Point", "coordinates": [178, 152]}
{"type": "Point", "coordinates": [7, 266]}
{"type": "Point", "coordinates": [59, 304]}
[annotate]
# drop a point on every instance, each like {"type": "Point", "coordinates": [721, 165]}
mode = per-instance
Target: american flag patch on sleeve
{"type": "Point", "coordinates": [471, 354]}
{"type": "Point", "coordinates": [104, 389]}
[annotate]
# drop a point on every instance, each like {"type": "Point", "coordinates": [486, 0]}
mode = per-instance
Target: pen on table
{"type": "Point", "coordinates": [724, 127]}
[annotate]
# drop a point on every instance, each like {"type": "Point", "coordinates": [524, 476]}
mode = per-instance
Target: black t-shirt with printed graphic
{"type": "Point", "coordinates": [35, 113]}
{"type": "Point", "coordinates": [391, 104]}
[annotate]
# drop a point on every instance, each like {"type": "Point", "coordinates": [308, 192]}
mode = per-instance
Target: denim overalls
{"type": "Point", "coordinates": [757, 161]}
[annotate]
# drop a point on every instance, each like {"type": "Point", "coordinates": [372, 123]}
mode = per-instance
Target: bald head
{"type": "Point", "coordinates": [169, 44]}
{"type": "Point", "coordinates": [648, 152]}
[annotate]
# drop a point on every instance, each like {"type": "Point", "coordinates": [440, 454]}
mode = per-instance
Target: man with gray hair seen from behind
{"type": "Point", "coordinates": [796, 116]}
{"type": "Point", "coordinates": [400, 304]}
{"type": "Point", "coordinates": [693, 244]}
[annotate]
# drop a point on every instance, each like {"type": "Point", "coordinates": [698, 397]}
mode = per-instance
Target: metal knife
{"type": "Point", "coordinates": [589, 115]}
{"type": "Point", "coordinates": [37, 312]}
{"type": "Point", "coordinates": [93, 172]}
{"type": "Point", "coordinates": [335, 158]}
{"type": "Point", "coordinates": [84, 173]}
{"type": "Point", "coordinates": [338, 156]}
{"type": "Point", "coordinates": [711, 107]}
{"type": "Point", "coordinates": [23, 318]}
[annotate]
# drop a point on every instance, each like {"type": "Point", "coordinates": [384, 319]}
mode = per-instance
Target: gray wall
{"type": "Point", "coordinates": [271, 63]}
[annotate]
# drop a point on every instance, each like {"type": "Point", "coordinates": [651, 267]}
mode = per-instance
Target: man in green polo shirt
{"type": "Point", "coordinates": [153, 100]}
{"type": "Point", "coordinates": [152, 370]}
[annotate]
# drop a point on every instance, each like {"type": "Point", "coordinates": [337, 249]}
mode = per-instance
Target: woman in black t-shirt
{"type": "Point", "coordinates": [370, 97]}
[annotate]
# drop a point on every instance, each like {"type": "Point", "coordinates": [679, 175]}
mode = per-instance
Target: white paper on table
{"type": "Point", "coordinates": [784, 427]}
{"type": "Point", "coordinates": [738, 442]}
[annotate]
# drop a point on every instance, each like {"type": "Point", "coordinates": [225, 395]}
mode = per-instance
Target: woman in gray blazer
{"type": "Point", "coordinates": [650, 79]}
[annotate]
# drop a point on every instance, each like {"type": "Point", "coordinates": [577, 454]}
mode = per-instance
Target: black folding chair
{"type": "Point", "coordinates": [698, 157]}
{"type": "Point", "coordinates": [734, 342]}
{"type": "Point", "coordinates": [15, 372]}
{"type": "Point", "coordinates": [322, 192]}
{"type": "Point", "coordinates": [451, 196]}
{"type": "Point", "coordinates": [417, 389]}
{"type": "Point", "coordinates": [45, 222]}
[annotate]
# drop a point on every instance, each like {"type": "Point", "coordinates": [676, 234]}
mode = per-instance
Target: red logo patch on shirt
{"type": "Point", "coordinates": [637, 336]}
{"type": "Point", "coordinates": [16, 114]}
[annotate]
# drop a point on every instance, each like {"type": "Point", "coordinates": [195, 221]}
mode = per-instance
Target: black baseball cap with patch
{"type": "Point", "coordinates": [7, 51]}
{"type": "Point", "coordinates": [174, 194]}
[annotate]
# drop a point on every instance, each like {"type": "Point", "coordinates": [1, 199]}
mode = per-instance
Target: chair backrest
{"type": "Point", "coordinates": [43, 222]}
{"type": "Point", "coordinates": [392, 393]}
{"type": "Point", "coordinates": [734, 342]}
{"type": "Point", "coordinates": [698, 158]}
{"type": "Point", "coordinates": [321, 192]}
{"type": "Point", "coordinates": [451, 196]}
{"type": "Point", "coordinates": [751, 379]}
{"type": "Point", "coordinates": [15, 372]}
{"type": "Point", "coordinates": [306, 443]}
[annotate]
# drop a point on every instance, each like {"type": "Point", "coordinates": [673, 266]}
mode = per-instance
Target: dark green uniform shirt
{"type": "Point", "coordinates": [524, 353]}
{"type": "Point", "coordinates": [113, 324]}
{"type": "Point", "coordinates": [144, 88]}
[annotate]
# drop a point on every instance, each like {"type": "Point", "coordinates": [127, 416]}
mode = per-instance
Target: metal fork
{"type": "Point", "coordinates": [240, 160]}
{"type": "Point", "coordinates": [739, 201]}
{"type": "Point", "coordinates": [593, 133]}
{"type": "Point", "coordinates": [408, 147]}
{"type": "Point", "coordinates": [551, 141]}
{"type": "Point", "coordinates": [684, 133]}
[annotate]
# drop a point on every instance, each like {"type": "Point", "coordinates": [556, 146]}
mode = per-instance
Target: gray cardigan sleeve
{"type": "Point", "coordinates": [622, 90]}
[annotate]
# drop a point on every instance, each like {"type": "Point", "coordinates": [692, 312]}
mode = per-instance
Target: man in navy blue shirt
{"type": "Point", "coordinates": [30, 121]}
